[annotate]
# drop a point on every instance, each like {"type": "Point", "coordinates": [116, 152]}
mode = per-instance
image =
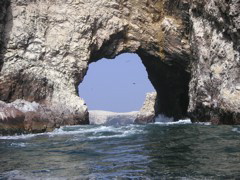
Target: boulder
{"type": "Point", "coordinates": [22, 116]}
{"type": "Point", "coordinates": [147, 112]}
{"type": "Point", "coordinates": [11, 119]}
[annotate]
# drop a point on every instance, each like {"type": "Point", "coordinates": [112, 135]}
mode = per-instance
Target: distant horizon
{"type": "Point", "coordinates": [99, 110]}
{"type": "Point", "coordinates": [116, 85]}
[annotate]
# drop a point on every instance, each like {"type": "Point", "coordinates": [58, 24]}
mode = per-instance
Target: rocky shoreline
{"type": "Point", "coordinates": [21, 116]}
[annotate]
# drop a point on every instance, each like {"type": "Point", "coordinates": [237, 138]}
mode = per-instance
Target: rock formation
{"type": "Point", "coordinates": [215, 69]}
{"type": "Point", "coordinates": [192, 59]}
{"type": "Point", "coordinates": [11, 119]}
{"type": "Point", "coordinates": [22, 116]}
{"type": "Point", "coordinates": [147, 113]}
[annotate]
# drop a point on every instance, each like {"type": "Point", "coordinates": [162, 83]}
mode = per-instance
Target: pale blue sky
{"type": "Point", "coordinates": [118, 85]}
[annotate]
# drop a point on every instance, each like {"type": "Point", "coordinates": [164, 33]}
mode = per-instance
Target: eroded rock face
{"type": "Point", "coordinates": [214, 87]}
{"type": "Point", "coordinates": [23, 116]}
{"type": "Point", "coordinates": [46, 46]}
{"type": "Point", "coordinates": [11, 119]}
{"type": "Point", "coordinates": [148, 110]}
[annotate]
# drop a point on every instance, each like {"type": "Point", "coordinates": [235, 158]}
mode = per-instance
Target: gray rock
{"type": "Point", "coordinates": [215, 70]}
{"type": "Point", "coordinates": [147, 112]}
{"type": "Point", "coordinates": [192, 59]}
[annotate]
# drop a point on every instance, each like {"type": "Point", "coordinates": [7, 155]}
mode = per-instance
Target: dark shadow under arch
{"type": "Point", "coordinates": [172, 85]}
{"type": "Point", "coordinates": [170, 80]}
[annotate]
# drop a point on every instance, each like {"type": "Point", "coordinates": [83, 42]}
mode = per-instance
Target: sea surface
{"type": "Point", "coordinates": [163, 150]}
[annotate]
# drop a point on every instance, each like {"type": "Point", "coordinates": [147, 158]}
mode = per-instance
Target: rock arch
{"type": "Point", "coordinates": [46, 47]}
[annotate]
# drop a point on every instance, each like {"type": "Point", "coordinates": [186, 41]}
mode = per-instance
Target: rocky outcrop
{"type": "Point", "coordinates": [215, 84]}
{"type": "Point", "coordinates": [147, 112]}
{"type": "Point", "coordinates": [22, 116]}
{"type": "Point", "coordinates": [46, 47]}
{"type": "Point", "coordinates": [11, 119]}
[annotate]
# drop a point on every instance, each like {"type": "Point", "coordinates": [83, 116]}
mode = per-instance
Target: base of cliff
{"type": "Point", "coordinates": [22, 116]}
{"type": "Point", "coordinates": [215, 116]}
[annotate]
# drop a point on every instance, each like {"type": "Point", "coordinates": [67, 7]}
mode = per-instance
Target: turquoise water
{"type": "Point", "coordinates": [154, 151]}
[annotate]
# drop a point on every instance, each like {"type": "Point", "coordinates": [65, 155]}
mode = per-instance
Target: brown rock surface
{"type": "Point", "coordinates": [22, 116]}
{"type": "Point", "coordinates": [11, 119]}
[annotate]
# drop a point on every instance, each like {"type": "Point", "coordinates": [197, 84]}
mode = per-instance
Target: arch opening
{"type": "Point", "coordinates": [118, 85]}
{"type": "Point", "coordinates": [171, 81]}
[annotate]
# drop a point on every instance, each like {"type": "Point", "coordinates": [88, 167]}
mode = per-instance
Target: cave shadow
{"type": "Point", "coordinates": [171, 82]}
{"type": "Point", "coordinates": [6, 25]}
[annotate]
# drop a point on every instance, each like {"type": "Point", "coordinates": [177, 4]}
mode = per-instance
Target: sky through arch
{"type": "Point", "coordinates": [118, 85]}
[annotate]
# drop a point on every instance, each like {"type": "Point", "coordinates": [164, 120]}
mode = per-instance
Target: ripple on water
{"type": "Point", "coordinates": [20, 144]}
{"type": "Point", "coordinates": [89, 132]}
{"type": "Point", "coordinates": [100, 131]}
{"type": "Point", "coordinates": [156, 151]}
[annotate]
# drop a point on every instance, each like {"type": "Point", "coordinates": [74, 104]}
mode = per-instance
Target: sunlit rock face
{"type": "Point", "coordinates": [148, 111]}
{"type": "Point", "coordinates": [215, 84]}
{"type": "Point", "coordinates": [46, 46]}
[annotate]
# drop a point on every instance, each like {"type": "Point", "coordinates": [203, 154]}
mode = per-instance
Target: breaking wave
{"type": "Point", "coordinates": [103, 131]}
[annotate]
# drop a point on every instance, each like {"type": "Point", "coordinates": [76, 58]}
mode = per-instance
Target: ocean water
{"type": "Point", "coordinates": [163, 150]}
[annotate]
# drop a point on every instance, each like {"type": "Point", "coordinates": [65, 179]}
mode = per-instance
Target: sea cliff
{"type": "Point", "coordinates": [190, 50]}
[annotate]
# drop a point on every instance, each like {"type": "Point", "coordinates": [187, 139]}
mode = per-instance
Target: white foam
{"type": "Point", "coordinates": [19, 144]}
{"type": "Point", "coordinates": [123, 133]}
{"type": "Point", "coordinates": [204, 123]}
{"type": "Point", "coordinates": [81, 130]}
{"type": "Point", "coordinates": [59, 131]}
{"type": "Point", "coordinates": [162, 119]}
{"type": "Point", "coordinates": [236, 130]}
{"type": "Point", "coordinates": [56, 132]}
{"type": "Point", "coordinates": [118, 131]}
{"type": "Point", "coordinates": [107, 137]}
{"type": "Point", "coordinates": [91, 131]}
{"type": "Point", "coordinates": [23, 136]}
{"type": "Point", "coordinates": [184, 121]}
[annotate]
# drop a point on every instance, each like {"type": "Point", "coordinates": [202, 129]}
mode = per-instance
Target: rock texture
{"type": "Point", "coordinates": [46, 46]}
{"type": "Point", "coordinates": [11, 119]}
{"type": "Point", "coordinates": [148, 111]}
{"type": "Point", "coordinates": [215, 84]}
{"type": "Point", "coordinates": [22, 116]}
